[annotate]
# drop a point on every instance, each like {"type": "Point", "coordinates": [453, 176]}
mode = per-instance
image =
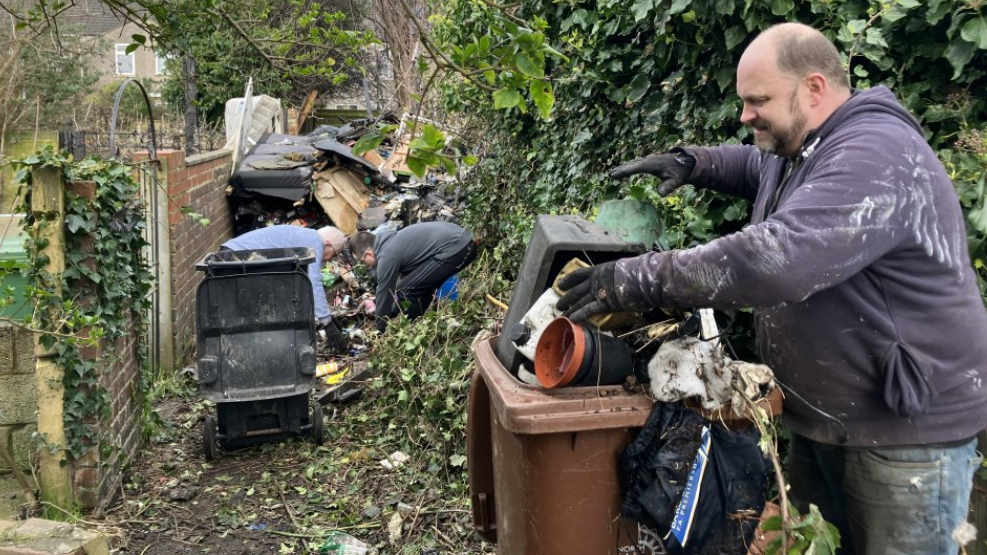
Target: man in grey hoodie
{"type": "Point", "coordinates": [412, 264]}
{"type": "Point", "coordinates": [866, 303]}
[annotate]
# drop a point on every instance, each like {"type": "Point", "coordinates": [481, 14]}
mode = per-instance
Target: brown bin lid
{"type": "Point", "coordinates": [525, 409]}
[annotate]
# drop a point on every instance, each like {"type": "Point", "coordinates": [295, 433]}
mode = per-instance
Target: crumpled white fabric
{"type": "Point", "coordinates": [688, 367]}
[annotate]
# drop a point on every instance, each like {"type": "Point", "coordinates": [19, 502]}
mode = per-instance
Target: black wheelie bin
{"type": "Point", "coordinates": [255, 335]}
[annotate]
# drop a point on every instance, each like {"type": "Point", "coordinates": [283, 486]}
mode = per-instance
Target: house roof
{"type": "Point", "coordinates": [90, 18]}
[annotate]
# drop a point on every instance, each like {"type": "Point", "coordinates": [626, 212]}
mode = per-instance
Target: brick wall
{"type": "Point", "coordinates": [18, 394]}
{"type": "Point", "coordinates": [94, 480]}
{"type": "Point", "coordinates": [199, 183]}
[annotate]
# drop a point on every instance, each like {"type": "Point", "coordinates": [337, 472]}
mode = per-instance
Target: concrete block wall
{"type": "Point", "coordinates": [18, 394]}
{"type": "Point", "coordinates": [198, 182]}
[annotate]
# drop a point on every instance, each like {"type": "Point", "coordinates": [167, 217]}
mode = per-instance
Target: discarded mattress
{"type": "Point", "coordinates": [288, 183]}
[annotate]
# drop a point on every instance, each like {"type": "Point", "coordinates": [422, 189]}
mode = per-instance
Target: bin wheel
{"type": "Point", "coordinates": [318, 425]}
{"type": "Point", "coordinates": [209, 445]}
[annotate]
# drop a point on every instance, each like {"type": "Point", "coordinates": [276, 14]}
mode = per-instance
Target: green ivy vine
{"type": "Point", "coordinates": [100, 299]}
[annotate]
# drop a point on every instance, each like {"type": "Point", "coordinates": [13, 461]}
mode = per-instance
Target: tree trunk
{"type": "Point", "coordinates": [401, 40]}
{"type": "Point", "coordinates": [191, 111]}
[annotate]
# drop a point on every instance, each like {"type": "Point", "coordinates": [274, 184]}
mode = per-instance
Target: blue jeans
{"type": "Point", "coordinates": [895, 500]}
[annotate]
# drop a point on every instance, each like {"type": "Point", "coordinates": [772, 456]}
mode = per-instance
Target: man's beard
{"type": "Point", "coordinates": [787, 141]}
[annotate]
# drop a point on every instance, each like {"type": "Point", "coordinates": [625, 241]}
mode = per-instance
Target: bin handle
{"type": "Point", "coordinates": [243, 263]}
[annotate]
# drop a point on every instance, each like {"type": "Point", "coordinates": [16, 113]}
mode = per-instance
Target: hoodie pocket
{"type": "Point", "coordinates": [908, 388]}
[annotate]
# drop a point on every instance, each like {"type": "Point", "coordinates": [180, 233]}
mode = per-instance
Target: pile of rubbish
{"type": "Point", "coordinates": [677, 354]}
{"type": "Point", "coordinates": [316, 180]}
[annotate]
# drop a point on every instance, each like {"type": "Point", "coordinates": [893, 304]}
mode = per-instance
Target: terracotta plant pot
{"type": "Point", "coordinates": [569, 354]}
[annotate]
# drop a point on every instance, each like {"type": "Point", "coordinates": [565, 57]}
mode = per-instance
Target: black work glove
{"type": "Point", "coordinates": [674, 169]}
{"type": "Point", "coordinates": [334, 336]}
{"type": "Point", "coordinates": [589, 291]}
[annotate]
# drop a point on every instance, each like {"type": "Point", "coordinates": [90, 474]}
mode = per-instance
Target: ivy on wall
{"type": "Point", "coordinates": [101, 298]}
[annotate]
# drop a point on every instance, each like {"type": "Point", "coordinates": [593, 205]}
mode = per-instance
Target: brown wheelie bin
{"type": "Point", "coordinates": [543, 464]}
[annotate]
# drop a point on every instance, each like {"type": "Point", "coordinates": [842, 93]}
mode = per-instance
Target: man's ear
{"type": "Point", "coordinates": [818, 87]}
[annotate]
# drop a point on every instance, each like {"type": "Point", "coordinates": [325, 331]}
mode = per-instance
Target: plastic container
{"type": "Point", "coordinates": [255, 337]}
{"type": "Point", "coordinates": [534, 322]}
{"type": "Point", "coordinates": [14, 258]}
{"type": "Point", "coordinates": [635, 221]}
{"type": "Point", "coordinates": [449, 290]}
{"type": "Point", "coordinates": [255, 324]}
{"type": "Point", "coordinates": [555, 240]}
{"type": "Point", "coordinates": [570, 354]}
{"type": "Point", "coordinates": [543, 464]}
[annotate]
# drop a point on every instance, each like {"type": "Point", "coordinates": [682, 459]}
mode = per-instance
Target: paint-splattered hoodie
{"type": "Point", "coordinates": [857, 267]}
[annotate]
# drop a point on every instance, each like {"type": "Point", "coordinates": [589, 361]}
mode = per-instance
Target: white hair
{"type": "Point", "coordinates": [334, 236]}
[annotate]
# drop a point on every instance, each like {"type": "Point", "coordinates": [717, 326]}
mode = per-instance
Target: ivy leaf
{"type": "Point", "coordinates": [875, 37]}
{"type": "Point", "coordinates": [470, 160]}
{"type": "Point", "coordinates": [735, 35]}
{"type": "Point", "coordinates": [975, 31]}
{"type": "Point", "coordinates": [543, 97]}
{"type": "Point", "coordinates": [724, 77]}
{"type": "Point", "coordinates": [457, 460]}
{"type": "Point", "coordinates": [638, 87]}
{"type": "Point", "coordinates": [506, 98]}
{"type": "Point", "coordinates": [75, 222]}
{"type": "Point", "coordinates": [937, 10]}
{"type": "Point", "coordinates": [367, 143]}
{"type": "Point", "coordinates": [978, 219]}
{"type": "Point", "coordinates": [782, 7]}
{"type": "Point", "coordinates": [679, 6]}
{"type": "Point", "coordinates": [725, 7]}
{"type": "Point", "coordinates": [959, 53]}
{"type": "Point", "coordinates": [640, 9]}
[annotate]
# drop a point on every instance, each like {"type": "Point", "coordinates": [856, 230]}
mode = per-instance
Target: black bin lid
{"type": "Point", "coordinates": [256, 261]}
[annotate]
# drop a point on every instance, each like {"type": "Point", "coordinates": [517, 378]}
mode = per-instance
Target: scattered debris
{"type": "Point", "coordinates": [689, 367]}
{"type": "Point", "coordinates": [395, 460]}
{"type": "Point", "coordinates": [181, 494]}
{"type": "Point", "coordinates": [395, 527]}
{"type": "Point", "coordinates": [339, 543]}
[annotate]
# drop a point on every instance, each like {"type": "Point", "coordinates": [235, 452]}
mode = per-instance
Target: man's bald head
{"type": "Point", "coordinates": [800, 50]}
{"type": "Point", "coordinates": [791, 79]}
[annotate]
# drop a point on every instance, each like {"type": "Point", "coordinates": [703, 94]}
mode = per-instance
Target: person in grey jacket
{"type": "Point", "coordinates": [866, 304]}
{"type": "Point", "coordinates": [325, 242]}
{"type": "Point", "coordinates": [412, 263]}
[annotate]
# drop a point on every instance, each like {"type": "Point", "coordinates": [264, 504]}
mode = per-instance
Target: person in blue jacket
{"type": "Point", "coordinates": [326, 243]}
{"type": "Point", "coordinates": [866, 304]}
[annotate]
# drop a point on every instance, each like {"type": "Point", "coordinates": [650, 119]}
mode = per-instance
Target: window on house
{"type": "Point", "coordinates": [125, 62]}
{"type": "Point", "coordinates": [347, 107]}
{"type": "Point", "coordinates": [159, 64]}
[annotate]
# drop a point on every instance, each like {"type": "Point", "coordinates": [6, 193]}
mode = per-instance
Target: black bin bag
{"type": "Point", "coordinates": [699, 485]}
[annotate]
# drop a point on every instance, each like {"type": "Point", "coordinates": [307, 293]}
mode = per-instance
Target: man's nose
{"type": "Point", "coordinates": [747, 115]}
